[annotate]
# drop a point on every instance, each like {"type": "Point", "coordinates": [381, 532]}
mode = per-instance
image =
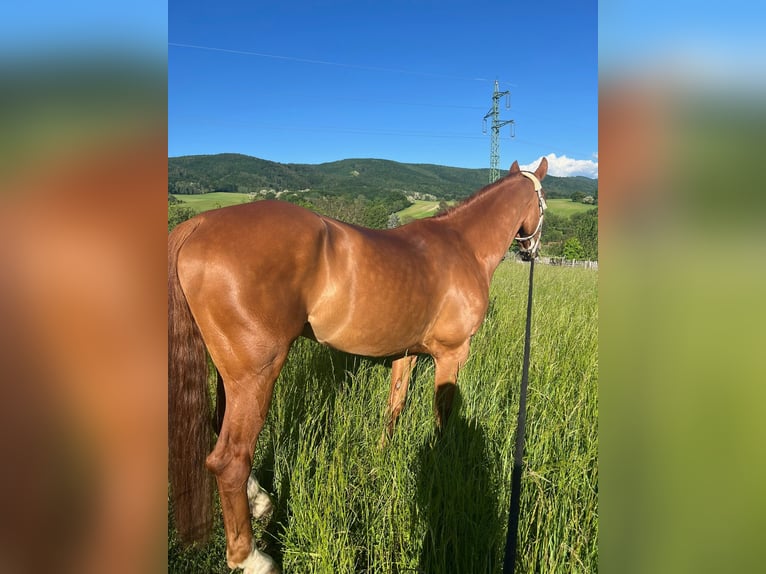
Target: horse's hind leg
{"type": "Point", "coordinates": [401, 370]}
{"type": "Point", "coordinates": [248, 394]}
{"type": "Point", "coordinates": [260, 502]}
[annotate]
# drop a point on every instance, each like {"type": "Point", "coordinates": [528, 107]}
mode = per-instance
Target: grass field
{"type": "Point", "coordinates": [567, 207]}
{"type": "Point", "coordinates": [205, 201]}
{"type": "Point", "coordinates": [433, 504]}
{"type": "Point", "coordinates": [419, 209]}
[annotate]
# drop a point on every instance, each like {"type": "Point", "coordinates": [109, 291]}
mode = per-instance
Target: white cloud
{"type": "Point", "coordinates": [563, 166]}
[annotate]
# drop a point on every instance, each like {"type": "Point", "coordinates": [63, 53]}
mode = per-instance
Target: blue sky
{"type": "Point", "coordinates": [312, 82]}
{"type": "Point", "coordinates": [81, 27]}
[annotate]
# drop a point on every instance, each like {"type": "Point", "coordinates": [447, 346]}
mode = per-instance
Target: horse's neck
{"type": "Point", "coordinates": [489, 223]}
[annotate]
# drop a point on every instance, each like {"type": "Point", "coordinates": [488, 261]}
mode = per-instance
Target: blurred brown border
{"type": "Point", "coordinates": [82, 297]}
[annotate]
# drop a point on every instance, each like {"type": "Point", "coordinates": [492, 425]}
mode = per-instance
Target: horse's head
{"type": "Point", "coordinates": [531, 228]}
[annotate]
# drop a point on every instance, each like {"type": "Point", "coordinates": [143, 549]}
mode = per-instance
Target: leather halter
{"type": "Point", "coordinates": [532, 249]}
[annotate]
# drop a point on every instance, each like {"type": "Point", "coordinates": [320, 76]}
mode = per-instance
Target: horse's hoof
{"type": "Point", "coordinates": [259, 563]}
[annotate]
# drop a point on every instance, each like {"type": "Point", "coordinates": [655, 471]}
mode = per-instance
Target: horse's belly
{"type": "Point", "coordinates": [373, 335]}
{"type": "Point", "coordinates": [368, 348]}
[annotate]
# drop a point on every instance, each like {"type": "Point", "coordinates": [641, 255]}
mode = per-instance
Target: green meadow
{"type": "Point", "coordinates": [418, 210]}
{"type": "Point", "coordinates": [213, 200]}
{"type": "Point", "coordinates": [567, 207]}
{"type": "Point", "coordinates": [427, 503]}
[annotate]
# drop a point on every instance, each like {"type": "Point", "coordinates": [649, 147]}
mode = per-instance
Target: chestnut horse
{"type": "Point", "coordinates": [244, 282]}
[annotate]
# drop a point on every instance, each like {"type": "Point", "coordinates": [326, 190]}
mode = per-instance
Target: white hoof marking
{"type": "Point", "coordinates": [258, 563]}
{"type": "Point", "coordinates": [260, 502]}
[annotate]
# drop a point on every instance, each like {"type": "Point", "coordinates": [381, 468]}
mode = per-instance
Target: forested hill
{"type": "Point", "coordinates": [366, 177]}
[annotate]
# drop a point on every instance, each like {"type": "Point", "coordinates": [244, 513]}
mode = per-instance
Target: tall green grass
{"type": "Point", "coordinates": [428, 503]}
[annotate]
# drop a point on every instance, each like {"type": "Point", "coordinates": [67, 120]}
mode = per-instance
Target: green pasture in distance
{"type": "Point", "coordinates": [205, 201]}
{"type": "Point", "coordinates": [421, 209]}
{"type": "Point", "coordinates": [418, 210]}
{"type": "Point", "coordinates": [566, 207]}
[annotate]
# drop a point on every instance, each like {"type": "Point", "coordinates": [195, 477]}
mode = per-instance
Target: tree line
{"type": "Point", "coordinates": [572, 237]}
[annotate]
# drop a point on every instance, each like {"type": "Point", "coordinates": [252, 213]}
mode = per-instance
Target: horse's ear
{"type": "Point", "coordinates": [514, 168]}
{"type": "Point", "coordinates": [542, 169]}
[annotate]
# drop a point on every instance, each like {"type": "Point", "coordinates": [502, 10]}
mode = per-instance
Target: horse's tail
{"type": "Point", "coordinates": [189, 432]}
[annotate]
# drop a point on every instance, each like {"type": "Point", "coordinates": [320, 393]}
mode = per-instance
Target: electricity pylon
{"type": "Point", "coordinates": [494, 146]}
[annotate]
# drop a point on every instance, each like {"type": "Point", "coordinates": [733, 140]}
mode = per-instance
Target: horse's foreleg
{"type": "Point", "coordinates": [448, 364]}
{"type": "Point", "coordinates": [247, 404]}
{"type": "Point", "coordinates": [401, 370]}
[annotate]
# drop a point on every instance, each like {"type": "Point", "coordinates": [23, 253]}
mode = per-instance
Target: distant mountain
{"type": "Point", "coordinates": [367, 177]}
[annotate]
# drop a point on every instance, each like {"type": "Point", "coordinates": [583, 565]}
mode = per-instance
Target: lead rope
{"type": "Point", "coordinates": [509, 564]}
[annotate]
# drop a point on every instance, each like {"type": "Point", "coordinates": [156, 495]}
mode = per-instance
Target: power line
{"type": "Point", "coordinates": [317, 99]}
{"type": "Point", "coordinates": [327, 63]}
{"type": "Point", "coordinates": [416, 104]}
{"type": "Point", "coordinates": [331, 128]}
